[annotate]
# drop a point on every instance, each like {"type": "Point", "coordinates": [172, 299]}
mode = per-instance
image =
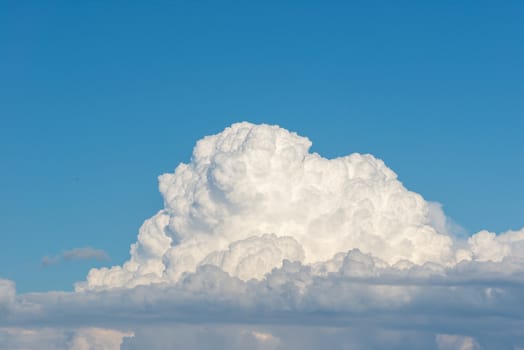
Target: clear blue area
{"type": "Point", "coordinates": [97, 98]}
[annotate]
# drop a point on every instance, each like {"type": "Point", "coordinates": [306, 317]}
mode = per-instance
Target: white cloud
{"type": "Point", "coordinates": [253, 180]}
{"type": "Point", "coordinates": [268, 245]}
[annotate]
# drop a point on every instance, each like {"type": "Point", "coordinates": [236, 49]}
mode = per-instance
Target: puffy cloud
{"type": "Point", "coordinates": [253, 196]}
{"type": "Point", "coordinates": [487, 246]}
{"type": "Point", "coordinates": [254, 256]}
{"type": "Point", "coordinates": [85, 253]}
{"type": "Point", "coordinates": [251, 185]}
{"type": "Point", "coordinates": [262, 244]}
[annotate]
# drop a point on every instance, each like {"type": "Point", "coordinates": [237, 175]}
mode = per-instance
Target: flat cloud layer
{"type": "Point", "coordinates": [258, 235]}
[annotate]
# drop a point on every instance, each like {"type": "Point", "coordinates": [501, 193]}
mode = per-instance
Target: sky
{"type": "Point", "coordinates": [97, 99]}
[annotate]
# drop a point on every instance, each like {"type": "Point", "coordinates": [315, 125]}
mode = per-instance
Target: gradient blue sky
{"type": "Point", "coordinates": [98, 98]}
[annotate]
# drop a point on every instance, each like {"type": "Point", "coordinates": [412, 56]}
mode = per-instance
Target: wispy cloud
{"type": "Point", "coordinates": [84, 253]}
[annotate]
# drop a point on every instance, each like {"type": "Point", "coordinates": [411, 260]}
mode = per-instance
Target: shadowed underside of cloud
{"type": "Point", "coordinates": [261, 244]}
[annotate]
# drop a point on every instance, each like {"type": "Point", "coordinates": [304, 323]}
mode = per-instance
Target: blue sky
{"type": "Point", "coordinates": [98, 99]}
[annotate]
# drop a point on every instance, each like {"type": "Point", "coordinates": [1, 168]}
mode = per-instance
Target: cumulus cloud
{"type": "Point", "coordinates": [254, 195]}
{"type": "Point", "coordinates": [85, 253]}
{"type": "Point", "coordinates": [268, 245]}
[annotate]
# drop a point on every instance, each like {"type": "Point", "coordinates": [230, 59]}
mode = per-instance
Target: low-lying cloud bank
{"type": "Point", "coordinates": [267, 245]}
